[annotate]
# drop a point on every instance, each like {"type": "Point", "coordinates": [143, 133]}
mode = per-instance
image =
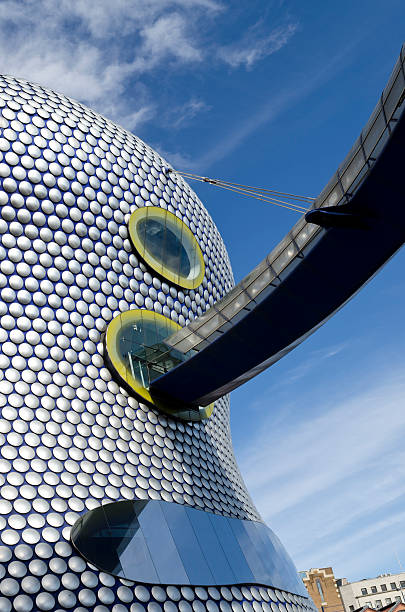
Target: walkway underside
{"type": "Point", "coordinates": [318, 280]}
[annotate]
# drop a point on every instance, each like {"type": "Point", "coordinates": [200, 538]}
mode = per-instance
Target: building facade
{"type": "Point", "coordinates": [375, 593]}
{"type": "Point", "coordinates": [90, 469]}
{"type": "Point", "coordinates": [322, 588]}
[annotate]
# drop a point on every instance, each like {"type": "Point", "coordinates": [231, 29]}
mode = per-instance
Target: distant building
{"type": "Point", "coordinates": [396, 607]}
{"type": "Point", "coordinates": [322, 587]}
{"type": "Point", "coordinates": [377, 593]}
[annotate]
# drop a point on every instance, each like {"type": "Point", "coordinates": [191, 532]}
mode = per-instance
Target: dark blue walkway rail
{"type": "Point", "coordinates": [311, 274]}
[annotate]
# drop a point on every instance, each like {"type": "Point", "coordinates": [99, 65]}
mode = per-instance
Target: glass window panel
{"type": "Point", "coordinates": [232, 549]}
{"type": "Point", "coordinates": [348, 159]}
{"type": "Point", "coordinates": [92, 538]}
{"type": "Point", "coordinates": [392, 78]}
{"type": "Point", "coordinates": [239, 302]}
{"type": "Point", "coordinates": [285, 242]}
{"type": "Point", "coordinates": [265, 548]}
{"type": "Point", "coordinates": [160, 542]}
{"type": "Point", "coordinates": [326, 191]}
{"type": "Point", "coordinates": [242, 530]}
{"type": "Point", "coordinates": [353, 170]}
{"type": "Point", "coordinates": [302, 238]}
{"type": "Point", "coordinates": [373, 136]}
{"type": "Point", "coordinates": [214, 323]}
{"type": "Point", "coordinates": [257, 271]}
{"type": "Point", "coordinates": [204, 318]}
{"type": "Point", "coordinates": [320, 589]}
{"type": "Point", "coordinates": [394, 95]}
{"type": "Point", "coordinates": [113, 541]}
{"type": "Point", "coordinates": [188, 343]}
{"type": "Point", "coordinates": [260, 283]}
{"type": "Point", "coordinates": [161, 545]}
{"type": "Point", "coordinates": [334, 197]}
{"type": "Point", "coordinates": [371, 120]}
{"type": "Point", "coordinates": [187, 544]}
{"type": "Point", "coordinates": [282, 261]}
{"type": "Point", "coordinates": [210, 546]}
{"type": "Point", "coordinates": [166, 244]}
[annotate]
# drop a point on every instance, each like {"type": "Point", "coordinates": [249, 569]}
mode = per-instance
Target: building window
{"type": "Point", "coordinates": [319, 587]}
{"type": "Point", "coordinates": [402, 583]}
{"type": "Point", "coordinates": [351, 608]}
{"type": "Point", "coordinates": [397, 598]}
{"type": "Point", "coordinates": [383, 587]}
{"type": "Point", "coordinates": [127, 538]}
{"type": "Point", "coordinates": [393, 585]}
{"type": "Point", "coordinates": [364, 591]}
{"type": "Point", "coordinates": [378, 603]}
{"type": "Point", "coordinates": [368, 603]}
{"type": "Point", "coordinates": [167, 245]}
{"type": "Point", "coordinates": [374, 589]}
{"type": "Point", "coordinates": [388, 600]}
{"type": "Point", "coordinates": [137, 355]}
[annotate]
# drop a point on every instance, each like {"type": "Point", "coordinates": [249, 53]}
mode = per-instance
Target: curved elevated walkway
{"type": "Point", "coordinates": [311, 274]}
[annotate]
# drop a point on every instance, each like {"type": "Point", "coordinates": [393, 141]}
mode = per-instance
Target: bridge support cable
{"type": "Point", "coordinates": [270, 196]}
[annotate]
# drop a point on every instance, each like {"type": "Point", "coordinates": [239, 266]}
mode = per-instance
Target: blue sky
{"type": "Point", "coordinates": [273, 94]}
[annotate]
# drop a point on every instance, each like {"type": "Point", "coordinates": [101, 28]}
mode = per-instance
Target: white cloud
{"type": "Point", "coordinates": [98, 55]}
{"type": "Point", "coordinates": [133, 120]}
{"type": "Point", "coordinates": [174, 159]}
{"type": "Point", "coordinates": [182, 115]}
{"type": "Point", "coordinates": [333, 480]}
{"type": "Point", "coordinates": [255, 47]}
{"type": "Point", "coordinates": [328, 435]}
{"type": "Point", "coordinates": [168, 37]}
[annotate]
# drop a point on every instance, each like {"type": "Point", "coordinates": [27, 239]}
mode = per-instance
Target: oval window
{"type": "Point", "coordinates": [136, 352]}
{"type": "Point", "coordinates": [167, 245]}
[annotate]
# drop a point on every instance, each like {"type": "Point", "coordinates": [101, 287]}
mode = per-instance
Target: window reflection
{"type": "Point", "coordinates": [166, 543]}
{"type": "Point", "coordinates": [167, 245]}
{"type": "Point", "coordinates": [137, 354]}
{"type": "Point", "coordinates": [161, 241]}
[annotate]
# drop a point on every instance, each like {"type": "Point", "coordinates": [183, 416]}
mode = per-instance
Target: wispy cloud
{"type": "Point", "coordinates": [98, 56]}
{"type": "Point", "coordinates": [175, 160]}
{"type": "Point", "coordinates": [103, 55]}
{"type": "Point", "coordinates": [331, 475]}
{"type": "Point", "coordinates": [279, 103]}
{"type": "Point", "coordinates": [255, 46]}
{"type": "Point", "coordinates": [182, 115]}
{"type": "Point", "coordinates": [329, 435]}
{"type": "Point", "coordinates": [315, 359]}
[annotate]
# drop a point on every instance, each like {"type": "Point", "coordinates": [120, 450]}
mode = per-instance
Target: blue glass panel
{"type": "Point", "coordinates": [187, 544]}
{"type": "Point", "coordinates": [231, 548]}
{"type": "Point", "coordinates": [113, 539]}
{"type": "Point", "coordinates": [210, 546]}
{"type": "Point", "coordinates": [240, 530]}
{"type": "Point", "coordinates": [160, 542]}
{"type": "Point", "coordinates": [164, 245]}
{"type": "Point", "coordinates": [162, 548]}
{"type": "Point", "coordinates": [265, 548]}
{"type": "Point", "coordinates": [136, 560]}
